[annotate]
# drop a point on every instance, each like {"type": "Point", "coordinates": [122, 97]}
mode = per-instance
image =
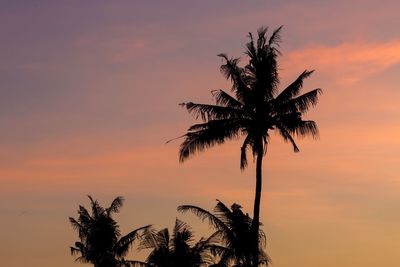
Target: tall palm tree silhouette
{"type": "Point", "coordinates": [255, 109]}
{"type": "Point", "coordinates": [177, 250]}
{"type": "Point", "coordinates": [101, 242]}
{"type": "Point", "coordinates": [233, 234]}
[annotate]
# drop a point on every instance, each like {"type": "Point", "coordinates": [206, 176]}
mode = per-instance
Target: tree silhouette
{"type": "Point", "coordinates": [100, 239]}
{"type": "Point", "coordinates": [233, 234]}
{"type": "Point", "coordinates": [255, 109]}
{"type": "Point", "coordinates": [177, 250]}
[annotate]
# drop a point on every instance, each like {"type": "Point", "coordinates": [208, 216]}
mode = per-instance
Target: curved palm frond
{"type": "Point", "coordinates": [116, 204]}
{"type": "Point", "coordinates": [301, 103]}
{"type": "Point", "coordinates": [251, 50]}
{"type": "Point", "coordinates": [212, 112]}
{"type": "Point", "coordinates": [307, 128]}
{"type": "Point", "coordinates": [79, 248]}
{"type": "Point", "coordinates": [204, 215]}
{"type": "Point", "coordinates": [275, 37]}
{"type": "Point", "coordinates": [125, 242]}
{"type": "Point", "coordinates": [299, 128]}
{"type": "Point", "coordinates": [84, 214]}
{"type": "Point", "coordinates": [243, 151]}
{"type": "Point", "coordinates": [182, 233]}
{"type": "Point", "coordinates": [211, 133]}
{"type": "Point", "coordinates": [287, 137]}
{"type": "Point", "coordinates": [224, 99]}
{"type": "Point", "coordinates": [156, 240]}
{"type": "Point", "coordinates": [236, 74]}
{"type": "Point", "coordinates": [75, 224]}
{"type": "Point", "coordinates": [293, 89]}
{"type": "Point", "coordinates": [222, 212]}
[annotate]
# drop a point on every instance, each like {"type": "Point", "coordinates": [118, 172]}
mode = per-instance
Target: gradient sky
{"type": "Point", "coordinates": [89, 93]}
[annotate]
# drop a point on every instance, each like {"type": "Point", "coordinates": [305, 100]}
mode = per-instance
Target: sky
{"type": "Point", "coordinates": [89, 94]}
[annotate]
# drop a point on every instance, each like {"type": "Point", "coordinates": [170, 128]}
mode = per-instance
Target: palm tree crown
{"type": "Point", "coordinates": [100, 239]}
{"type": "Point", "coordinates": [233, 234]}
{"type": "Point", "coordinates": [178, 250]}
{"type": "Point", "coordinates": [255, 108]}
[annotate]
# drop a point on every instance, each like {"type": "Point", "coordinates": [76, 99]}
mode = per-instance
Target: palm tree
{"type": "Point", "coordinates": [177, 250]}
{"type": "Point", "coordinates": [101, 242]}
{"type": "Point", "coordinates": [256, 109]}
{"type": "Point", "coordinates": [232, 236]}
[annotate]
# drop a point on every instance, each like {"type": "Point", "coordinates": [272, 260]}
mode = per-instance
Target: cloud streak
{"type": "Point", "coordinates": [347, 62]}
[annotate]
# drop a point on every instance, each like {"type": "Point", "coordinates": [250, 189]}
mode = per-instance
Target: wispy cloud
{"type": "Point", "coordinates": [348, 62]}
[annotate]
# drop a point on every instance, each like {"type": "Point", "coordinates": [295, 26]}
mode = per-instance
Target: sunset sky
{"type": "Point", "coordinates": [89, 94]}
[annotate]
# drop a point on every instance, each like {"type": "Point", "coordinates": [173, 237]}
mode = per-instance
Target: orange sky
{"type": "Point", "coordinates": [90, 93]}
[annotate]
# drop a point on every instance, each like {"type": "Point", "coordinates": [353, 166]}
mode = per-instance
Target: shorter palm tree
{"type": "Point", "coordinates": [178, 250]}
{"type": "Point", "coordinates": [101, 242]}
{"type": "Point", "coordinates": [233, 237]}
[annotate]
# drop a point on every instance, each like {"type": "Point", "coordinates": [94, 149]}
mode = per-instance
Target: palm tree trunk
{"type": "Point", "coordinates": [257, 201]}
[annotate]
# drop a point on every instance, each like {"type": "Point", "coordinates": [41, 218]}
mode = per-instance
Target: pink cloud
{"type": "Point", "coordinates": [348, 62]}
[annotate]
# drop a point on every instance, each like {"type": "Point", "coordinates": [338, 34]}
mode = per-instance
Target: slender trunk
{"type": "Point", "coordinates": [257, 200]}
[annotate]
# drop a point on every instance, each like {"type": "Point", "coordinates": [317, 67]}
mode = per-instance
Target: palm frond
{"type": "Point", "coordinates": [307, 128]}
{"type": "Point", "coordinates": [92, 201]}
{"type": "Point", "coordinates": [261, 32]}
{"type": "Point", "coordinates": [155, 240]}
{"type": "Point", "coordinates": [224, 99]}
{"type": "Point", "coordinates": [84, 215]}
{"type": "Point", "coordinates": [75, 224]}
{"type": "Point", "coordinates": [75, 250]}
{"type": "Point", "coordinates": [125, 242]}
{"type": "Point", "coordinates": [179, 226]}
{"type": "Point", "coordinates": [182, 232]}
{"type": "Point", "coordinates": [236, 74]}
{"type": "Point", "coordinates": [264, 259]}
{"type": "Point", "coordinates": [275, 38]}
{"type": "Point", "coordinates": [204, 215]}
{"type": "Point", "coordinates": [223, 213]}
{"type": "Point", "coordinates": [79, 248]}
{"type": "Point", "coordinates": [211, 112]}
{"type": "Point", "coordinates": [231, 70]}
{"type": "Point", "coordinates": [262, 238]}
{"type": "Point", "coordinates": [287, 137]}
{"type": "Point", "coordinates": [243, 151]}
{"type": "Point", "coordinates": [215, 239]}
{"type": "Point", "coordinates": [81, 259]}
{"type": "Point", "coordinates": [301, 103]}
{"type": "Point", "coordinates": [97, 210]}
{"type": "Point", "coordinates": [250, 48]}
{"type": "Point", "coordinates": [227, 258]}
{"type": "Point", "coordinates": [115, 205]}
{"type": "Point", "coordinates": [293, 89]}
{"type": "Point", "coordinates": [212, 133]}
{"type": "Point", "coordinates": [217, 249]}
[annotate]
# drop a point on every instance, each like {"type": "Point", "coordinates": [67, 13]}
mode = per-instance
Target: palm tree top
{"type": "Point", "coordinates": [100, 241]}
{"type": "Point", "coordinates": [254, 106]}
{"type": "Point", "coordinates": [233, 233]}
{"type": "Point", "coordinates": [176, 250]}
